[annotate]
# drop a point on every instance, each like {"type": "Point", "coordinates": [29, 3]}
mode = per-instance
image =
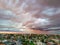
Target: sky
{"type": "Point", "coordinates": [33, 14]}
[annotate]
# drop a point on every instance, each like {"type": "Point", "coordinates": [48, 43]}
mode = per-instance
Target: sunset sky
{"type": "Point", "coordinates": [33, 14]}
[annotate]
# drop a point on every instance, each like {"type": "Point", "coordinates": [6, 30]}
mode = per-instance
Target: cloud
{"type": "Point", "coordinates": [33, 13]}
{"type": "Point", "coordinates": [49, 11]}
{"type": "Point", "coordinates": [53, 3]}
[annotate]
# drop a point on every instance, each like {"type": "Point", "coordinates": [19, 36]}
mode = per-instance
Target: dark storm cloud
{"type": "Point", "coordinates": [53, 3]}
